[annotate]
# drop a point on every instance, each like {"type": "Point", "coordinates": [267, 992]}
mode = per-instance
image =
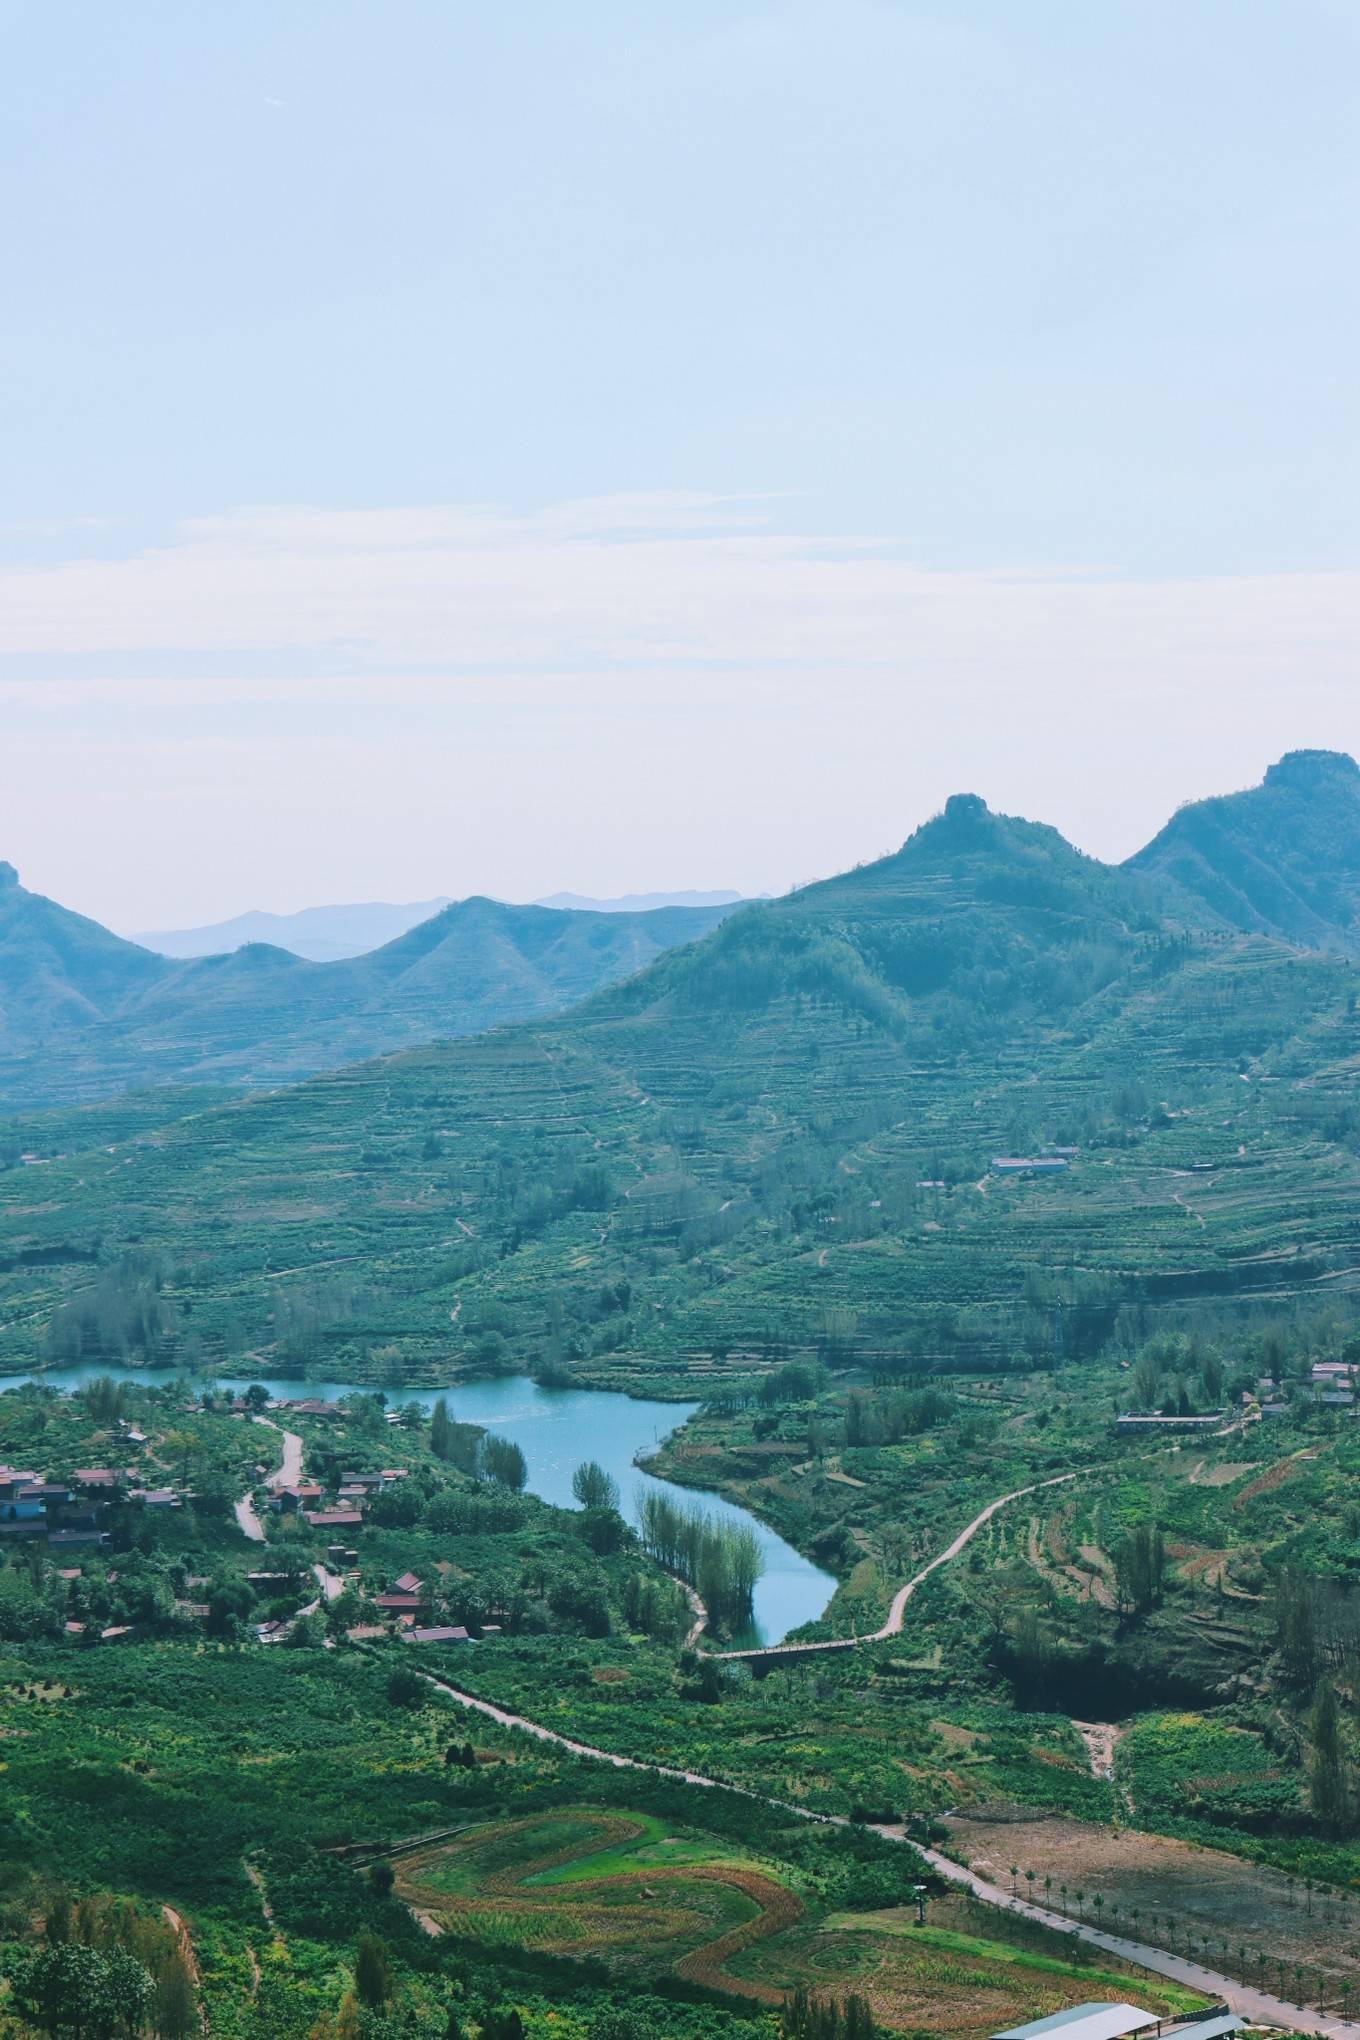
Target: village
{"type": "Point", "coordinates": [75, 1528]}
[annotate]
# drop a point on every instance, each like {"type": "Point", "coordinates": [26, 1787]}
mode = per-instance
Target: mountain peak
{"type": "Point", "coordinates": [8, 876]}
{"type": "Point", "coordinates": [964, 820]}
{"type": "Point", "coordinates": [1280, 859]}
{"type": "Point", "coordinates": [1311, 771]}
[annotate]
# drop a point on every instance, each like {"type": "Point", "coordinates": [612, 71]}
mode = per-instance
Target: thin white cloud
{"type": "Point", "coordinates": [285, 705]}
{"type": "Point", "coordinates": [617, 584]}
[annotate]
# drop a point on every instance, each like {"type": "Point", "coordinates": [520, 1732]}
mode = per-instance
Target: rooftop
{"type": "Point", "coordinates": [1085, 2022]}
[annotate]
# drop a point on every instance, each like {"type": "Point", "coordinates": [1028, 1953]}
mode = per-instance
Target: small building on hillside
{"type": "Point", "coordinates": [334, 1519]}
{"type": "Point", "coordinates": [448, 1634]}
{"type": "Point", "coordinates": [1029, 1165]}
{"type": "Point", "coordinates": [296, 1494]}
{"type": "Point", "coordinates": [1113, 2022]}
{"type": "Point", "coordinates": [1134, 1421]}
{"type": "Point", "coordinates": [1085, 2022]}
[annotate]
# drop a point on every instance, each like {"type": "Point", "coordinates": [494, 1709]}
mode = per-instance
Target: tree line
{"type": "Point", "coordinates": [722, 1561]}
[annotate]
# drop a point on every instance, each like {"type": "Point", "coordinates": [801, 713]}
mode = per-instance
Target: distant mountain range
{"type": "Point", "coordinates": [328, 934]}
{"type": "Point", "coordinates": [84, 1013]}
{"type": "Point", "coordinates": [775, 1140]}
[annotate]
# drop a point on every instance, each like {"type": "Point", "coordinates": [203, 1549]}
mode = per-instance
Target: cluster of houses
{"type": "Point", "coordinates": [307, 1498]}
{"type": "Point", "coordinates": [1332, 1383]}
{"type": "Point", "coordinates": [69, 1513]}
{"type": "Point", "coordinates": [405, 1610]}
{"type": "Point", "coordinates": [311, 1406]}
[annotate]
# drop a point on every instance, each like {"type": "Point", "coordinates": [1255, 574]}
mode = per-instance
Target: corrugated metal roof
{"type": "Point", "coordinates": [1208, 2029]}
{"type": "Point", "coordinates": [1084, 2022]}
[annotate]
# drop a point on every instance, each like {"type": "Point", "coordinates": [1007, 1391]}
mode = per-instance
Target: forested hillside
{"type": "Point", "coordinates": [1281, 859]}
{"type": "Point", "coordinates": [776, 1141]}
{"type": "Point", "coordinates": [84, 1014]}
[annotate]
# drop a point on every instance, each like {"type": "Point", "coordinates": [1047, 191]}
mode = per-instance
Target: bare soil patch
{"type": "Point", "coordinates": [1217, 1898]}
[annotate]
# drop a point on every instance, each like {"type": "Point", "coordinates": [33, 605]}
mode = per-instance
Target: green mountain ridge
{"type": "Point", "coordinates": [1280, 859]}
{"type": "Point", "coordinates": [738, 1151]}
{"type": "Point", "coordinates": [84, 1014]}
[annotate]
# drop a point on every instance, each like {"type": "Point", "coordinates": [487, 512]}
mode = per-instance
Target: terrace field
{"type": "Point", "coordinates": [650, 1900]}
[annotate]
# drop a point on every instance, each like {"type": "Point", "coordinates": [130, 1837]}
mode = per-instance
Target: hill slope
{"type": "Point", "coordinates": [59, 970]}
{"type": "Point", "coordinates": [84, 1014]}
{"type": "Point", "coordinates": [776, 1140]}
{"type": "Point", "coordinates": [1281, 859]}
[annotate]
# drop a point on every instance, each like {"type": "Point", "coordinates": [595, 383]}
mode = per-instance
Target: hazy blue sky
{"type": "Point", "coordinates": [455, 447]}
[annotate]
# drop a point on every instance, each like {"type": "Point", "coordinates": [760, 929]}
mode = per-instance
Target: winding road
{"type": "Point", "coordinates": [897, 1612]}
{"type": "Point", "coordinates": [1239, 1997]}
{"type": "Point", "coordinates": [290, 1471]}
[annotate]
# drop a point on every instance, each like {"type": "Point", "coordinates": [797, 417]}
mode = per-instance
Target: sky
{"type": "Point", "coordinates": [462, 449]}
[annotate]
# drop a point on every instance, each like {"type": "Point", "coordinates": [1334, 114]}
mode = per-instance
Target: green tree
{"type": "Point", "coordinates": [621, 2022]}
{"type": "Point", "coordinates": [441, 1430]}
{"type": "Point", "coordinates": [1328, 1785]}
{"type": "Point", "coordinates": [176, 2000]}
{"type": "Point", "coordinates": [503, 1462]}
{"type": "Point", "coordinates": [593, 1487]}
{"type": "Point", "coordinates": [406, 1688]}
{"type": "Point", "coordinates": [372, 1972]}
{"type": "Point", "coordinates": [88, 1993]}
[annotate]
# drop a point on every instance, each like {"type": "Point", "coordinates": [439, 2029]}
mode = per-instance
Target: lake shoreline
{"type": "Point", "coordinates": [557, 1428]}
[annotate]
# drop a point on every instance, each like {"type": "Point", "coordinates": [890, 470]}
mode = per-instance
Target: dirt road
{"type": "Point", "coordinates": [897, 1612]}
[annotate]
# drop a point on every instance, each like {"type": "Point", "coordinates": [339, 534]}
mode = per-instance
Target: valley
{"type": "Point", "coordinates": [969, 1240]}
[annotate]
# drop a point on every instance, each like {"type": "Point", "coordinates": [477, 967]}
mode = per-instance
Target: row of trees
{"type": "Point", "coordinates": [811, 2018]}
{"type": "Point", "coordinates": [722, 1561]}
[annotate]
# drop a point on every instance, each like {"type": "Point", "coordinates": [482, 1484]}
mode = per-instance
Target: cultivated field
{"type": "Point", "coordinates": [651, 1900]}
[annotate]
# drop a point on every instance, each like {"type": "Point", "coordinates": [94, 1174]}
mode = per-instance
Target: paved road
{"type": "Point", "coordinates": [247, 1515]}
{"type": "Point", "coordinates": [897, 1612]}
{"type": "Point", "coordinates": [290, 1472]}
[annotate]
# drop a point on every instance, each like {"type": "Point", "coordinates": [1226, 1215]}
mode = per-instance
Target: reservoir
{"type": "Point", "coordinates": [555, 1428]}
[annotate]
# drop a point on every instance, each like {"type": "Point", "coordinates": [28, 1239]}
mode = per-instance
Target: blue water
{"type": "Point", "coordinates": [556, 1428]}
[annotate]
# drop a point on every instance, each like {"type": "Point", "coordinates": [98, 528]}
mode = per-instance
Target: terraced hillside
{"type": "Point", "coordinates": [777, 1140]}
